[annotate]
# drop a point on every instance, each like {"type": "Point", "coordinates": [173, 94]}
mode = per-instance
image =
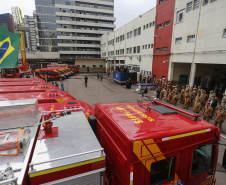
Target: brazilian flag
{"type": "Point", "coordinates": [9, 47]}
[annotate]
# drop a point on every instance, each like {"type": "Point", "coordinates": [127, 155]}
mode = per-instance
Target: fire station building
{"type": "Point", "coordinates": [186, 43]}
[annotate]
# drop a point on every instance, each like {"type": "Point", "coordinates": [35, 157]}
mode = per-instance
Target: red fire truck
{"type": "Point", "coordinates": [146, 143]}
{"type": "Point", "coordinates": [49, 74]}
{"type": "Point", "coordinates": [156, 143]}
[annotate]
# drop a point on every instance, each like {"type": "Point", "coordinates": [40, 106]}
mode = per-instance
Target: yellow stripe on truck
{"type": "Point", "coordinates": [186, 134]}
{"type": "Point", "coordinates": [66, 167]}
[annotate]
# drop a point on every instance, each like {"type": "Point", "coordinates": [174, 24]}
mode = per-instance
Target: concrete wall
{"type": "Point", "coordinates": [84, 63]}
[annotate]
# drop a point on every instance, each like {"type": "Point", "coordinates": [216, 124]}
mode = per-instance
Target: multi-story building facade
{"type": "Point", "coordinates": [32, 40]}
{"type": "Point", "coordinates": [189, 44]}
{"type": "Point", "coordinates": [198, 53]}
{"type": "Point", "coordinates": [6, 20]}
{"type": "Point", "coordinates": [131, 45]}
{"type": "Point", "coordinates": [74, 28]}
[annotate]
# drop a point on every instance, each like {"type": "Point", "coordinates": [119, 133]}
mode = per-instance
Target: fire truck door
{"type": "Point", "coordinates": [163, 170]}
{"type": "Point", "coordinates": [201, 164]}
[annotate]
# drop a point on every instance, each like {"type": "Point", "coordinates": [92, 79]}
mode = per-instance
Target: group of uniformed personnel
{"type": "Point", "coordinates": [198, 99]}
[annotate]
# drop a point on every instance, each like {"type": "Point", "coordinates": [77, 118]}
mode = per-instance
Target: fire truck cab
{"type": "Point", "coordinates": [155, 143]}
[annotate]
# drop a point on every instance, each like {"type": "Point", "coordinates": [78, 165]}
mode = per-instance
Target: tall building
{"type": "Point", "coordinates": [32, 35]}
{"type": "Point", "coordinates": [74, 28]}
{"type": "Point", "coordinates": [6, 20]}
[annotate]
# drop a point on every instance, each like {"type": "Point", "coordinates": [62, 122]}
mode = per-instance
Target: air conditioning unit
{"type": "Point", "coordinates": [139, 58]}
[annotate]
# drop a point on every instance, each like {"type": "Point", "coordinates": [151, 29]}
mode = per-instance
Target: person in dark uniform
{"type": "Point", "coordinates": [86, 80]}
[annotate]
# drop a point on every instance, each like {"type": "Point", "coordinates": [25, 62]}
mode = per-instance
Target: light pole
{"type": "Point", "coordinates": [161, 39]}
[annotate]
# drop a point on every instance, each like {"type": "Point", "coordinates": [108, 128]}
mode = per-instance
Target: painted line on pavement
{"type": "Point", "coordinates": [223, 136]}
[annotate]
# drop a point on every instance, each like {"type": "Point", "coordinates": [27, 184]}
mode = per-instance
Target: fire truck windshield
{"type": "Point", "coordinates": [11, 71]}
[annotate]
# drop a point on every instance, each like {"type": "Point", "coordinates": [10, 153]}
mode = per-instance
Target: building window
{"type": "Point", "coordinates": [131, 34]}
{"type": "Point", "coordinates": [178, 40]}
{"type": "Point", "coordinates": [139, 31]}
{"type": "Point", "coordinates": [158, 49]}
{"type": "Point", "coordinates": [165, 49]}
{"type": "Point", "coordinates": [167, 23]}
{"type": "Point", "coordinates": [150, 25]}
{"type": "Point", "coordinates": [128, 35]}
{"type": "Point", "coordinates": [94, 66]}
{"type": "Point", "coordinates": [83, 66]}
{"type": "Point", "coordinates": [149, 45]}
{"type": "Point", "coordinates": [160, 26]}
{"type": "Point", "coordinates": [162, 171]}
{"type": "Point", "coordinates": [180, 16]}
{"type": "Point", "coordinates": [202, 159]}
{"type": "Point", "coordinates": [161, 1]}
{"type": "Point", "coordinates": [189, 6]}
{"type": "Point", "coordinates": [146, 46]}
{"type": "Point", "coordinates": [138, 49]}
{"type": "Point", "coordinates": [143, 46]}
{"type": "Point", "coordinates": [205, 2]}
{"type": "Point", "coordinates": [224, 33]}
{"type": "Point", "coordinates": [135, 32]}
{"type": "Point", "coordinates": [134, 49]}
{"type": "Point", "coordinates": [144, 27]}
{"type": "Point", "coordinates": [101, 66]}
{"type": "Point", "coordinates": [191, 38]}
{"type": "Point", "coordinates": [196, 4]}
{"type": "Point", "coordinates": [153, 23]}
{"type": "Point", "coordinates": [147, 26]}
{"type": "Point", "coordinates": [152, 45]}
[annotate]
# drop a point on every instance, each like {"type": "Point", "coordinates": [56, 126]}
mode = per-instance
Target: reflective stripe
{"type": "Point", "coordinates": [186, 134]}
{"type": "Point", "coordinates": [131, 174]}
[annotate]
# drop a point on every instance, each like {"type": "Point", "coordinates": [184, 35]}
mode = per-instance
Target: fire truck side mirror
{"type": "Point", "coordinates": [224, 160]}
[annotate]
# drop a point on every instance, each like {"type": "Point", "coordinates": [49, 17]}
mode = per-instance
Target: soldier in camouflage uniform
{"type": "Point", "coordinates": [219, 117]}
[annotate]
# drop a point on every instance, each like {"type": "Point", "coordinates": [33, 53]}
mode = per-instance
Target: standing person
{"type": "Point", "coordinates": [145, 91]}
{"type": "Point", "coordinates": [186, 103]}
{"type": "Point", "coordinates": [62, 85]}
{"type": "Point", "coordinates": [219, 117]}
{"type": "Point", "coordinates": [207, 111]}
{"type": "Point", "coordinates": [213, 104]}
{"type": "Point", "coordinates": [98, 76]}
{"type": "Point", "coordinates": [204, 98]}
{"type": "Point", "coordinates": [52, 83]}
{"type": "Point", "coordinates": [144, 79]}
{"type": "Point", "coordinates": [199, 91]}
{"type": "Point", "coordinates": [197, 106]}
{"type": "Point", "coordinates": [161, 94]}
{"type": "Point", "coordinates": [175, 99]}
{"type": "Point", "coordinates": [56, 84]}
{"type": "Point", "coordinates": [101, 77]}
{"type": "Point", "coordinates": [158, 91]}
{"type": "Point", "coordinates": [192, 95]}
{"type": "Point", "coordinates": [86, 80]}
{"type": "Point", "coordinates": [182, 95]}
{"type": "Point", "coordinates": [108, 74]}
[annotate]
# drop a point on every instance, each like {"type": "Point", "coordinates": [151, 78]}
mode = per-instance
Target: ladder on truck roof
{"type": "Point", "coordinates": [164, 111]}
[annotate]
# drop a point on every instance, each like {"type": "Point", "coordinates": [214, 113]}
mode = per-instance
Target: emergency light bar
{"type": "Point", "coordinates": [175, 108]}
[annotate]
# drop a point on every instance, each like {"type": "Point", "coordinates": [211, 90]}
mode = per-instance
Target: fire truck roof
{"type": "Point", "coordinates": [158, 122]}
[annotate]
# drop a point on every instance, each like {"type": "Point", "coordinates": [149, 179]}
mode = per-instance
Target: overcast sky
{"type": "Point", "coordinates": [125, 10]}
